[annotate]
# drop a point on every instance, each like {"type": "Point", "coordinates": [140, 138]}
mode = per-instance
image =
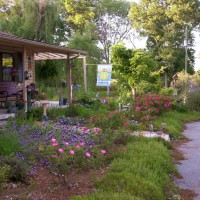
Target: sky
{"type": "Point", "coordinates": [141, 43]}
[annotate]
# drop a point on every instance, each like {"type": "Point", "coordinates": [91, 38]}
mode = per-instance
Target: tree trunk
{"type": "Point", "coordinates": [133, 91]}
{"type": "Point", "coordinates": [166, 85]}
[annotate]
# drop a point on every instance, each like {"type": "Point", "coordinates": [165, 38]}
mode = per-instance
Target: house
{"type": "Point", "coordinates": [18, 57]}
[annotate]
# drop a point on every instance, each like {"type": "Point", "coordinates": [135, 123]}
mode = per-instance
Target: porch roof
{"type": "Point", "coordinates": [41, 50]}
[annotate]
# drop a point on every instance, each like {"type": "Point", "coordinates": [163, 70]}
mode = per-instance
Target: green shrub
{"type": "Point", "coordinates": [19, 167]}
{"type": "Point", "coordinates": [8, 144]}
{"type": "Point", "coordinates": [139, 172]}
{"type": "Point", "coordinates": [87, 98]}
{"type": "Point", "coordinates": [4, 171]}
{"type": "Point", "coordinates": [167, 91]}
{"type": "Point", "coordinates": [37, 113]}
{"type": "Point", "coordinates": [107, 196]}
{"type": "Point", "coordinates": [193, 100]}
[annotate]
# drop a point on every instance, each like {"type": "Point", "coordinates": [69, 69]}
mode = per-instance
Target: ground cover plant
{"type": "Point", "coordinates": [141, 171]}
{"type": "Point", "coordinates": [99, 141]}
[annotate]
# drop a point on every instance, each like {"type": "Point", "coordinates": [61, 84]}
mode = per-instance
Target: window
{"type": "Point", "coordinates": [7, 60]}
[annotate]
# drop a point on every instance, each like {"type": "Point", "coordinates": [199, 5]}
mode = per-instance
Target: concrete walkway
{"type": "Point", "coordinates": [190, 167]}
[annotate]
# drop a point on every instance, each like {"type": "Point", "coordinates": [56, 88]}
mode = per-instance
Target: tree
{"type": "Point", "coordinates": [112, 23]}
{"type": "Point", "coordinates": [79, 13]}
{"type": "Point", "coordinates": [109, 16]}
{"type": "Point", "coordinates": [85, 42]}
{"type": "Point", "coordinates": [136, 67]}
{"type": "Point", "coordinates": [32, 19]}
{"type": "Point", "coordinates": [164, 22]}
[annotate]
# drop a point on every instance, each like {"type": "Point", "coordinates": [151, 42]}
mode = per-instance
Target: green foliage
{"type": "Point", "coordinates": [79, 12]}
{"type": "Point", "coordinates": [193, 100]}
{"type": "Point", "coordinates": [4, 171]}
{"type": "Point", "coordinates": [164, 24]}
{"type": "Point", "coordinates": [174, 127]}
{"type": "Point", "coordinates": [141, 172]}
{"type": "Point", "coordinates": [136, 67]}
{"type": "Point", "coordinates": [19, 168]}
{"type": "Point", "coordinates": [167, 91]}
{"type": "Point", "coordinates": [113, 120]}
{"type": "Point", "coordinates": [34, 20]}
{"type": "Point", "coordinates": [107, 196]}
{"type": "Point", "coordinates": [8, 144]}
{"type": "Point", "coordinates": [87, 98]}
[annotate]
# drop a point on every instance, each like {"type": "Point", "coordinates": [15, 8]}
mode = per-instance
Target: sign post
{"type": "Point", "coordinates": [104, 73]}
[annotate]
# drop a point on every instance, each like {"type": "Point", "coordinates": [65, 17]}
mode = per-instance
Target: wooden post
{"type": "Point", "coordinates": [85, 73]}
{"type": "Point", "coordinates": [166, 80]}
{"type": "Point", "coordinates": [69, 88]}
{"type": "Point", "coordinates": [24, 81]}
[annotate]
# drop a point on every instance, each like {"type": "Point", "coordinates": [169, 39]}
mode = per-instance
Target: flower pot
{"type": "Point", "coordinates": [14, 74]}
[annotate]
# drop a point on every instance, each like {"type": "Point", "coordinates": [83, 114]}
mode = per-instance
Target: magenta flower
{"type": "Point", "coordinates": [103, 151]}
{"type": "Point", "coordinates": [85, 128]}
{"type": "Point", "coordinates": [124, 149]}
{"type": "Point", "coordinates": [125, 124]}
{"type": "Point", "coordinates": [71, 152]}
{"type": "Point", "coordinates": [116, 111]}
{"type": "Point", "coordinates": [53, 140]}
{"type": "Point", "coordinates": [60, 150]}
{"type": "Point", "coordinates": [66, 143]}
{"type": "Point", "coordinates": [77, 146]}
{"type": "Point", "coordinates": [82, 143]}
{"type": "Point", "coordinates": [54, 144]}
{"type": "Point", "coordinates": [87, 154]}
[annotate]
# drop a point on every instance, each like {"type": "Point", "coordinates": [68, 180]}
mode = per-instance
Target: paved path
{"type": "Point", "coordinates": [190, 167]}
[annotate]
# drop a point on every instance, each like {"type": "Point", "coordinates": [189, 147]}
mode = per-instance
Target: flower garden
{"type": "Point", "coordinates": [91, 138]}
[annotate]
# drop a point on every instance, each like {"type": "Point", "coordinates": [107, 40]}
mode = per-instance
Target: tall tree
{"type": "Point", "coordinates": [164, 23]}
{"type": "Point", "coordinates": [32, 19]}
{"type": "Point", "coordinates": [113, 24]}
{"type": "Point", "coordinates": [136, 67]}
{"type": "Point", "coordinates": [79, 13]}
{"type": "Point", "coordinates": [110, 17]}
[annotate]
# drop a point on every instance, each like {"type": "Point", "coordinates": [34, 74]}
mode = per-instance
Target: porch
{"type": "Point", "coordinates": [4, 115]}
{"type": "Point", "coordinates": [17, 62]}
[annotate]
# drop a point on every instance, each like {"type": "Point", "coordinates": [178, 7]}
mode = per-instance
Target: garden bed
{"type": "Point", "coordinates": [45, 185]}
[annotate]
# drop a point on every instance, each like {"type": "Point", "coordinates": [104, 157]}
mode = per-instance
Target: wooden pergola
{"type": "Point", "coordinates": [32, 51]}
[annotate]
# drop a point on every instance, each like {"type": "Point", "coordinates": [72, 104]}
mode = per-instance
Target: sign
{"type": "Point", "coordinates": [104, 72]}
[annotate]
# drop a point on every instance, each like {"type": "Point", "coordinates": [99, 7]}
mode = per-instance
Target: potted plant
{"type": "Point", "coordinates": [14, 72]}
{"type": "Point", "coordinates": [42, 96]}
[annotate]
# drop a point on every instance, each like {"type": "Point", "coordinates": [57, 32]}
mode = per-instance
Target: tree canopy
{"type": "Point", "coordinates": [164, 23]}
{"type": "Point", "coordinates": [136, 67]}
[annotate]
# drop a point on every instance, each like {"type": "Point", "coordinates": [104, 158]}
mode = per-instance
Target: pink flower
{"type": "Point", "coordinates": [77, 146]}
{"type": "Point", "coordinates": [54, 144]}
{"type": "Point", "coordinates": [148, 117]}
{"type": "Point", "coordinates": [87, 154]}
{"type": "Point", "coordinates": [71, 152]}
{"type": "Point", "coordinates": [123, 117]}
{"type": "Point", "coordinates": [82, 144]}
{"type": "Point", "coordinates": [124, 149]}
{"type": "Point", "coordinates": [66, 143]}
{"type": "Point", "coordinates": [60, 150]}
{"type": "Point", "coordinates": [125, 124]}
{"type": "Point", "coordinates": [116, 111]}
{"type": "Point", "coordinates": [97, 130]}
{"type": "Point", "coordinates": [85, 128]}
{"type": "Point", "coordinates": [53, 140]}
{"type": "Point", "coordinates": [103, 151]}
